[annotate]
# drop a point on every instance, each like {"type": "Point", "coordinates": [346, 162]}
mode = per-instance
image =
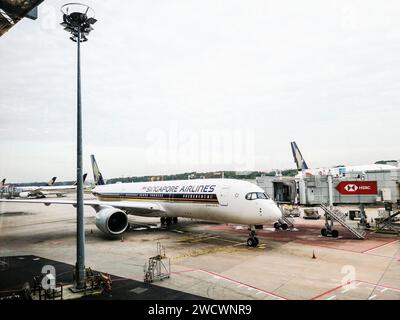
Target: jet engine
{"type": "Point", "coordinates": [24, 194]}
{"type": "Point", "coordinates": [111, 221]}
{"type": "Point", "coordinates": [31, 194]}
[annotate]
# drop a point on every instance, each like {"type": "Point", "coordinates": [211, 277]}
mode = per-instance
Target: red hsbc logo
{"type": "Point", "coordinates": [357, 187]}
{"type": "Point", "coordinates": [350, 187]}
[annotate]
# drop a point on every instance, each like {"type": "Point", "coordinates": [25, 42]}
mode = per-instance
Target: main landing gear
{"type": "Point", "coordinates": [326, 232]}
{"type": "Point", "coordinates": [252, 241]}
{"type": "Point", "coordinates": [280, 225]}
{"type": "Point", "coordinates": [168, 220]}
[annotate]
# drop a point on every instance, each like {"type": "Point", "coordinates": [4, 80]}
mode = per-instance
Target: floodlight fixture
{"type": "Point", "coordinates": [78, 19]}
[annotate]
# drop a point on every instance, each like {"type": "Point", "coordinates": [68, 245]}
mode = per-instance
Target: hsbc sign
{"type": "Point", "coordinates": [357, 187]}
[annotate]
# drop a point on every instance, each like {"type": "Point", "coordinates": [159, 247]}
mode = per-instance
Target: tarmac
{"type": "Point", "coordinates": [208, 260]}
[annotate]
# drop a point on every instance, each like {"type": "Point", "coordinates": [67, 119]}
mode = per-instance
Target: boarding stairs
{"type": "Point", "coordinates": [335, 214]}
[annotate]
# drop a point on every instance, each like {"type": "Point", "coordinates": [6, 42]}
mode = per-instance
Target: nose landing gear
{"type": "Point", "coordinates": [252, 241]}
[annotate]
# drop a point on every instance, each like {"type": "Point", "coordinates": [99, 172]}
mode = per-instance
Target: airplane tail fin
{"type": "Point", "coordinates": [2, 183]}
{"type": "Point", "coordinates": [83, 179]}
{"type": "Point", "coordinates": [298, 158]}
{"type": "Point", "coordinates": [98, 177]}
{"type": "Point", "coordinates": [51, 182]}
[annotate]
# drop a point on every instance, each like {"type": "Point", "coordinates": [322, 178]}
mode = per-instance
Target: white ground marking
{"type": "Point", "coordinates": [347, 288]}
{"type": "Point", "coordinates": [330, 298]}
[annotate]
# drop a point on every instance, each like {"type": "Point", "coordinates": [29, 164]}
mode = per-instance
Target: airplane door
{"type": "Point", "coordinates": [223, 196]}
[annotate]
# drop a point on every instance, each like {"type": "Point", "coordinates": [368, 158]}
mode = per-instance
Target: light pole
{"type": "Point", "coordinates": [77, 20]}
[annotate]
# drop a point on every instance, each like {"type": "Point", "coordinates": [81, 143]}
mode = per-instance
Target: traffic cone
{"type": "Point", "coordinates": [122, 239]}
{"type": "Point", "coordinates": [313, 255]}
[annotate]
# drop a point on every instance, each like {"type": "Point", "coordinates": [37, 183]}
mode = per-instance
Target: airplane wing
{"type": "Point", "coordinates": [130, 207]}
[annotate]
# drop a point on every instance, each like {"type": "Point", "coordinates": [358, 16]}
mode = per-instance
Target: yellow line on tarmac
{"type": "Point", "coordinates": [206, 238]}
{"type": "Point", "coordinates": [203, 237]}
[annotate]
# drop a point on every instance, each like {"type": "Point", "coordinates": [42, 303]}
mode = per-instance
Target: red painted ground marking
{"type": "Point", "coordinates": [380, 255]}
{"type": "Point", "coordinates": [331, 290]}
{"type": "Point", "coordinates": [346, 250]}
{"type": "Point", "coordinates": [380, 246]}
{"type": "Point", "coordinates": [324, 246]}
{"type": "Point", "coordinates": [188, 270]}
{"type": "Point", "coordinates": [234, 281]}
{"type": "Point", "coordinates": [359, 281]}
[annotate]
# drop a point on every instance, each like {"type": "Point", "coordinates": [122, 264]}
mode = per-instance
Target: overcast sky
{"type": "Point", "coordinates": [182, 85]}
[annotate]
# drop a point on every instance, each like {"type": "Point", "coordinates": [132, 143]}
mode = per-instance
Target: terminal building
{"type": "Point", "coordinates": [369, 187]}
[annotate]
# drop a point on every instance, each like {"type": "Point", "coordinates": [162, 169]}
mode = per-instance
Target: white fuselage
{"type": "Point", "coordinates": [32, 191]}
{"type": "Point", "coordinates": [222, 200]}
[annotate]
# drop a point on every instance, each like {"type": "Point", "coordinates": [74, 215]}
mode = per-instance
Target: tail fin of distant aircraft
{"type": "Point", "coordinates": [51, 182]}
{"type": "Point", "coordinates": [298, 158]}
{"type": "Point", "coordinates": [2, 183]}
{"type": "Point", "coordinates": [83, 179]}
{"type": "Point", "coordinates": [98, 177]}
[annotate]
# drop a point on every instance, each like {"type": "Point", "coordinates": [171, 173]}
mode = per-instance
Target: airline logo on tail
{"type": "Point", "coordinates": [52, 181]}
{"type": "Point", "coordinates": [298, 158]}
{"type": "Point", "coordinates": [83, 179]}
{"type": "Point", "coordinates": [98, 177]}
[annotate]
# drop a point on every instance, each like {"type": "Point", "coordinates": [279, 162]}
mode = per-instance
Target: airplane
{"type": "Point", "coordinates": [25, 192]}
{"type": "Point", "coordinates": [341, 170]}
{"type": "Point", "coordinates": [50, 189]}
{"type": "Point", "coordinates": [220, 200]}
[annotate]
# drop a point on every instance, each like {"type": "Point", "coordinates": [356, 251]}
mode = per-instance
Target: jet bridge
{"type": "Point", "coordinates": [368, 187]}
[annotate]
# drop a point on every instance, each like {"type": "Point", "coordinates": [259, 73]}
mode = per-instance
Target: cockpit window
{"type": "Point", "coordinates": [261, 195]}
{"type": "Point", "coordinates": [256, 195]}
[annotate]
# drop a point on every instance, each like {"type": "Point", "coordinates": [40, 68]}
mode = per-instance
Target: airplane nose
{"type": "Point", "coordinates": [276, 212]}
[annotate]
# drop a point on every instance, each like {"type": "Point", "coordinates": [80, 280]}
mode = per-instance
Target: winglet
{"type": "Point", "coordinates": [51, 182]}
{"type": "Point", "coordinates": [298, 158]}
{"type": "Point", "coordinates": [98, 177]}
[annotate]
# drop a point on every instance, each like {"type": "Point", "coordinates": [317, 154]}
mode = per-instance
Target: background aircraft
{"type": "Point", "coordinates": [50, 189]}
